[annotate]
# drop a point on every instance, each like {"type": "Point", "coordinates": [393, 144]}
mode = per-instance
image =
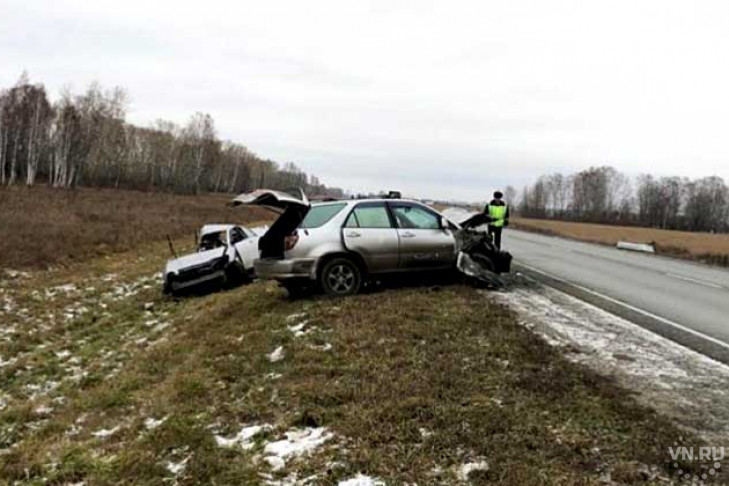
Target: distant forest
{"type": "Point", "coordinates": [84, 140]}
{"type": "Point", "coordinates": [605, 195]}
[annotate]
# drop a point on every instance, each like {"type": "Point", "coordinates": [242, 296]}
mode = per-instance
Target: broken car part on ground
{"type": "Point", "coordinates": [337, 245]}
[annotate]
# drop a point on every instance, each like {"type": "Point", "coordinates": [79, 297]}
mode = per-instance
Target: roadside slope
{"type": "Point", "coordinates": [105, 381]}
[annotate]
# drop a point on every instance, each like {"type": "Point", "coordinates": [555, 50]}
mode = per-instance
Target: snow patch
{"type": "Point", "coordinates": [277, 355]}
{"type": "Point", "coordinates": [151, 423]}
{"type": "Point", "coordinates": [361, 480]}
{"type": "Point", "coordinates": [177, 468]}
{"type": "Point", "coordinates": [43, 410]}
{"type": "Point", "coordinates": [104, 433]}
{"type": "Point", "coordinates": [465, 470]}
{"type": "Point", "coordinates": [297, 443]}
{"type": "Point", "coordinates": [244, 438]}
{"type": "Point", "coordinates": [295, 317]}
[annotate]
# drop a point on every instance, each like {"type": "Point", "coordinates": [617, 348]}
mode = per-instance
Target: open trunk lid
{"type": "Point", "coordinates": [292, 211]}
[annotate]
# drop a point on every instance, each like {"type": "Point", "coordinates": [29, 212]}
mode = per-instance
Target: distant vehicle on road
{"type": "Point", "coordinates": [225, 253]}
{"type": "Point", "coordinates": [338, 244]}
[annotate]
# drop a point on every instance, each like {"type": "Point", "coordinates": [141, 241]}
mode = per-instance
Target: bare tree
{"type": "Point", "coordinates": [85, 139]}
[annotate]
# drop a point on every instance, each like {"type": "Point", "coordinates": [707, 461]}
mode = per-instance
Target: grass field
{"type": "Point", "coordinates": [710, 248]}
{"type": "Point", "coordinates": [103, 380]}
{"type": "Point", "coordinates": [42, 226]}
{"type": "Point", "coordinates": [107, 382]}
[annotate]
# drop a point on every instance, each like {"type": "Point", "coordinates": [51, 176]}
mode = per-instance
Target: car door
{"type": "Point", "coordinates": [369, 231]}
{"type": "Point", "coordinates": [245, 247]}
{"type": "Point", "coordinates": [423, 242]}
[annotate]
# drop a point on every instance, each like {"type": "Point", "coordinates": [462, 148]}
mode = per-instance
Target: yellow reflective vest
{"type": "Point", "coordinates": [497, 213]}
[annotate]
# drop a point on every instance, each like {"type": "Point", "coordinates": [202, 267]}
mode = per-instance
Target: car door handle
{"type": "Point", "coordinates": [407, 234]}
{"type": "Point", "coordinates": [353, 234]}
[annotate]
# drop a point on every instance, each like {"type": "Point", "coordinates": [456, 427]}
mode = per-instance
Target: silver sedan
{"type": "Point", "coordinates": [337, 244]}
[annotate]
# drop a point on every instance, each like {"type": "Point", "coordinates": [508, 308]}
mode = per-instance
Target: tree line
{"type": "Point", "coordinates": [605, 195]}
{"type": "Point", "coordinates": [84, 140]}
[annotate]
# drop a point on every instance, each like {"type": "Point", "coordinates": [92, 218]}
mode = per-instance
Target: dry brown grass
{"type": "Point", "coordinates": [416, 383]}
{"type": "Point", "coordinates": [711, 248]}
{"type": "Point", "coordinates": [41, 226]}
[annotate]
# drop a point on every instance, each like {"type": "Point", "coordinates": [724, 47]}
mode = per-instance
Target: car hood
{"type": "Point", "coordinates": [465, 218]}
{"type": "Point", "coordinates": [193, 259]}
{"type": "Point", "coordinates": [292, 211]}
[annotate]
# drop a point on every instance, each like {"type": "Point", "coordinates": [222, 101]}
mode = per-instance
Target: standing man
{"type": "Point", "coordinates": [498, 210]}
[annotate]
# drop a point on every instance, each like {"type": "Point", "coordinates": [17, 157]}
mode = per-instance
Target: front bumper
{"type": "Point", "coordinates": [174, 283]}
{"type": "Point", "coordinates": [274, 269]}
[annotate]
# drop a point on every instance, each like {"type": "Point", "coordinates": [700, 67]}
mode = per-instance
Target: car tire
{"type": "Point", "coordinates": [340, 276]}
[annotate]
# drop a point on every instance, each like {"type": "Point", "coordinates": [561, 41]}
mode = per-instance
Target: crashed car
{"type": "Point", "coordinates": [336, 245]}
{"type": "Point", "coordinates": [225, 253]}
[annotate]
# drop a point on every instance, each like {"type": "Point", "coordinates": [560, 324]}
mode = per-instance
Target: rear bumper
{"type": "Point", "coordinates": [295, 268]}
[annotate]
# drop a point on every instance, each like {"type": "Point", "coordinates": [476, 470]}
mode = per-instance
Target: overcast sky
{"type": "Point", "coordinates": [446, 99]}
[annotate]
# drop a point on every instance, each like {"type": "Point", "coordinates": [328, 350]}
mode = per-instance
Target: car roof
{"type": "Point", "coordinates": [374, 199]}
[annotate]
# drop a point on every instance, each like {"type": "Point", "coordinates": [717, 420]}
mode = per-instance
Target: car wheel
{"type": "Point", "coordinates": [340, 276]}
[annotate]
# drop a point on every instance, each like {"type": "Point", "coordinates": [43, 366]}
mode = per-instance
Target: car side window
{"type": "Point", "coordinates": [414, 217]}
{"type": "Point", "coordinates": [369, 216]}
{"type": "Point", "coordinates": [237, 235]}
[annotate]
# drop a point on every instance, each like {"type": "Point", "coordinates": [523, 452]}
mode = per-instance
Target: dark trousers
{"type": "Point", "coordinates": [495, 232]}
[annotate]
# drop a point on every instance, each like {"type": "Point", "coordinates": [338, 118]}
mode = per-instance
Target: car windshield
{"type": "Point", "coordinates": [210, 241]}
{"type": "Point", "coordinates": [320, 215]}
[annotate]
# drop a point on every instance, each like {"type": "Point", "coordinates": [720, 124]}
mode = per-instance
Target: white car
{"type": "Point", "coordinates": [225, 253]}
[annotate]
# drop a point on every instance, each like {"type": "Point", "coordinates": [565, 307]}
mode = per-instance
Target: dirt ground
{"type": "Point", "coordinates": [711, 248]}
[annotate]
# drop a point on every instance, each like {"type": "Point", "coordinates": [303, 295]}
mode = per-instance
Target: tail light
{"type": "Point", "coordinates": [290, 241]}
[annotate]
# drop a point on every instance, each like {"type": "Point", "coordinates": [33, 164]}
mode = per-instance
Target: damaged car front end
{"type": "Point", "coordinates": [478, 258]}
{"type": "Point", "coordinates": [226, 253]}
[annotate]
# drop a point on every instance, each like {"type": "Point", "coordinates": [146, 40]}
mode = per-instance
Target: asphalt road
{"type": "Point", "coordinates": [685, 301]}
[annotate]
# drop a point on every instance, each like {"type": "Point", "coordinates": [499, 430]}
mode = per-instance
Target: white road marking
{"type": "Point", "coordinates": [633, 308]}
{"type": "Point", "coordinates": [696, 281]}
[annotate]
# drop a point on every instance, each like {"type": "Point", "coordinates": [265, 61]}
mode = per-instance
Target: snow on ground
{"type": "Point", "coordinates": [244, 438]}
{"type": "Point", "coordinates": [323, 347]}
{"type": "Point", "coordinates": [151, 423]}
{"type": "Point", "coordinates": [177, 468]}
{"type": "Point", "coordinates": [297, 443]}
{"type": "Point", "coordinates": [276, 355]}
{"type": "Point", "coordinates": [295, 317]}
{"type": "Point", "coordinates": [104, 433]}
{"type": "Point", "coordinates": [683, 384]}
{"type": "Point", "coordinates": [362, 480]}
{"type": "Point", "coordinates": [465, 470]}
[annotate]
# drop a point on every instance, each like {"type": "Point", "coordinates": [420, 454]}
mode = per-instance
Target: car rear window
{"type": "Point", "coordinates": [320, 215]}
